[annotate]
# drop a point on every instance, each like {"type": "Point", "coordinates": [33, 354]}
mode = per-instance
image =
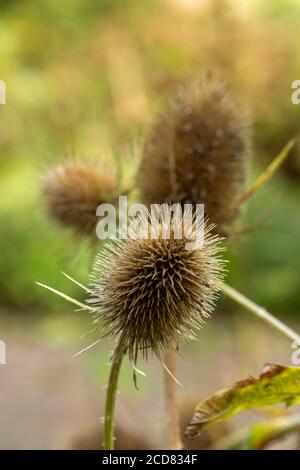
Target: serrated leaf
{"type": "Point", "coordinates": [276, 384]}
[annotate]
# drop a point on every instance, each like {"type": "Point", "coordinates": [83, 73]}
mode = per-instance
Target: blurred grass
{"type": "Point", "coordinates": [83, 78]}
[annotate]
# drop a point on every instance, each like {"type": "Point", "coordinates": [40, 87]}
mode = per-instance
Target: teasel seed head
{"type": "Point", "coordinates": [73, 191]}
{"type": "Point", "coordinates": [150, 294]}
{"type": "Point", "coordinates": [198, 151]}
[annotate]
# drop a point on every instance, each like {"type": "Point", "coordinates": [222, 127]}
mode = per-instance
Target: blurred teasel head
{"type": "Point", "coordinates": [152, 293]}
{"type": "Point", "coordinates": [197, 151]}
{"type": "Point", "coordinates": [73, 191]}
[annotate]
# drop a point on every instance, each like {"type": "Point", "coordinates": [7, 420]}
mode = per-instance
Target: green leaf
{"type": "Point", "coordinates": [277, 384]}
{"type": "Point", "coordinates": [262, 434]}
{"type": "Point", "coordinates": [259, 435]}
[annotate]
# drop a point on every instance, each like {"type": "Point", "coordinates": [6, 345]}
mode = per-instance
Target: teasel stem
{"type": "Point", "coordinates": [266, 174]}
{"type": "Point", "coordinates": [260, 312]}
{"type": "Point", "coordinates": [111, 395]}
{"type": "Point", "coordinates": [171, 400]}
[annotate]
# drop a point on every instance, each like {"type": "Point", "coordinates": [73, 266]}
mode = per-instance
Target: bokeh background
{"type": "Point", "coordinates": [84, 79]}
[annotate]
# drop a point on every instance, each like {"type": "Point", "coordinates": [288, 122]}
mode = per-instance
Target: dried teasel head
{"type": "Point", "coordinates": [197, 151]}
{"type": "Point", "coordinates": [151, 293]}
{"type": "Point", "coordinates": [73, 191]}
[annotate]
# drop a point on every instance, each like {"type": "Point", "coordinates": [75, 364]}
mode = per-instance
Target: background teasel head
{"type": "Point", "coordinates": [74, 190]}
{"type": "Point", "coordinates": [197, 151]}
{"type": "Point", "coordinates": [152, 293]}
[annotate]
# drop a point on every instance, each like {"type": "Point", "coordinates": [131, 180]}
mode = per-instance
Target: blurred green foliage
{"type": "Point", "coordinates": [84, 77]}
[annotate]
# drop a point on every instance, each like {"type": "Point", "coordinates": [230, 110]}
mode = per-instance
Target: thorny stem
{"type": "Point", "coordinates": [259, 312]}
{"type": "Point", "coordinates": [111, 394]}
{"type": "Point", "coordinates": [171, 401]}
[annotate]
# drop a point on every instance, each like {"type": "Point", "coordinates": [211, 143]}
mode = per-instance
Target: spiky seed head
{"type": "Point", "coordinates": [73, 191]}
{"type": "Point", "coordinates": [197, 151]}
{"type": "Point", "coordinates": [152, 293]}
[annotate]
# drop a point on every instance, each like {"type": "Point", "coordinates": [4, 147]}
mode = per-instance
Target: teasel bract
{"type": "Point", "coordinates": [73, 190]}
{"type": "Point", "coordinates": [152, 293]}
{"type": "Point", "coordinates": [198, 151]}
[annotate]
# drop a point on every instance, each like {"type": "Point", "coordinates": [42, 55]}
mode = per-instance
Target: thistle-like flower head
{"type": "Point", "coordinates": [73, 191]}
{"type": "Point", "coordinates": [151, 293]}
{"type": "Point", "coordinates": [198, 151]}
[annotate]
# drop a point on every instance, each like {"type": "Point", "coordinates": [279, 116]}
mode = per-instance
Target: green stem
{"type": "Point", "coordinates": [259, 312]}
{"type": "Point", "coordinates": [111, 394]}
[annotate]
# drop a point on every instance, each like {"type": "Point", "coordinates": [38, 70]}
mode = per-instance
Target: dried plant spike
{"type": "Point", "coordinates": [150, 294]}
{"type": "Point", "coordinates": [197, 151]}
{"type": "Point", "coordinates": [73, 191]}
